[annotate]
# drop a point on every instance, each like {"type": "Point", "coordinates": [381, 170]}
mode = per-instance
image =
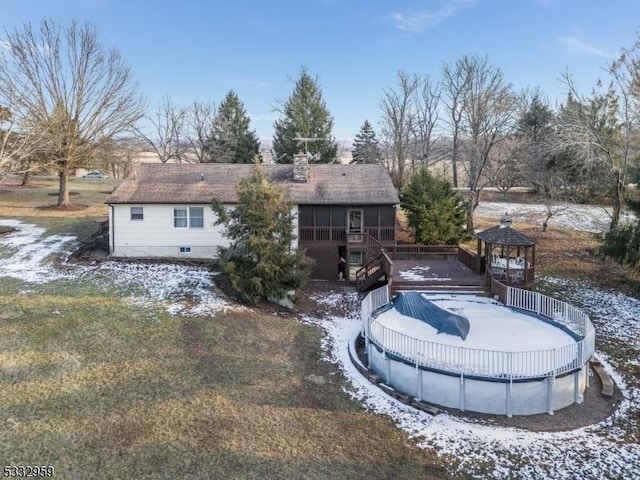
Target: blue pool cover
{"type": "Point", "coordinates": [413, 304]}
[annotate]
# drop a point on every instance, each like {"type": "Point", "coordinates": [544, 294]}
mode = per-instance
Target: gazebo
{"type": "Point", "coordinates": [509, 255]}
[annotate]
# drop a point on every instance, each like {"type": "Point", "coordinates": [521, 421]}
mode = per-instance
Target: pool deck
{"type": "Point", "coordinates": [448, 275]}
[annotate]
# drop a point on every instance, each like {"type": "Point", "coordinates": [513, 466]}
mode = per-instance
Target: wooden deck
{"type": "Point", "coordinates": [440, 275]}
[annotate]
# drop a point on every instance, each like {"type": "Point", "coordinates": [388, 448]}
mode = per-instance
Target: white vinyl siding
{"type": "Point", "coordinates": [157, 237]}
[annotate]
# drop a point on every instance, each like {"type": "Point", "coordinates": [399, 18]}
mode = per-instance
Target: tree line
{"type": "Point", "coordinates": [68, 102]}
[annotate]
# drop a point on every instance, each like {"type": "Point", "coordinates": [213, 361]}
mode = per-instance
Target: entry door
{"type": "Point", "coordinates": [354, 225]}
{"type": "Point", "coordinates": [355, 220]}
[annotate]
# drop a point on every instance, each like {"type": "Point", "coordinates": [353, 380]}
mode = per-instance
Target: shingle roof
{"type": "Point", "coordinates": [200, 183]}
{"type": "Point", "coordinates": [505, 235]}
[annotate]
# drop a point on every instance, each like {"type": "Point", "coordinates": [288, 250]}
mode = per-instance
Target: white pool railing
{"type": "Point", "coordinates": [492, 364]}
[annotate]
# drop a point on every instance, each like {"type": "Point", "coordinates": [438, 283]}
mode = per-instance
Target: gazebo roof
{"type": "Point", "coordinates": [505, 235]}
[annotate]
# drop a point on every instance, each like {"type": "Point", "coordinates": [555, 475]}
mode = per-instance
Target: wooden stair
{"type": "Point", "coordinates": [370, 274]}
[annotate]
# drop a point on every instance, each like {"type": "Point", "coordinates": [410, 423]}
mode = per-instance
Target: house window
{"type": "Point", "coordinates": [180, 218]}
{"type": "Point", "coordinates": [185, 249]}
{"type": "Point", "coordinates": [192, 217]}
{"type": "Point", "coordinates": [137, 213]}
{"type": "Point", "coordinates": [196, 217]}
{"type": "Point", "coordinates": [356, 258]}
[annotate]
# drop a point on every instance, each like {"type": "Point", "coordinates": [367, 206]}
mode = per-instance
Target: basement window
{"type": "Point", "coordinates": [356, 258]}
{"type": "Point", "coordinates": [185, 249]}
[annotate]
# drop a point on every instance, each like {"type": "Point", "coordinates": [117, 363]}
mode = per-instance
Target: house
{"type": "Point", "coordinates": [164, 210]}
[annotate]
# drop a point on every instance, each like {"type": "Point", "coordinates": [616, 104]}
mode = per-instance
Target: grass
{"type": "Point", "coordinates": [100, 388]}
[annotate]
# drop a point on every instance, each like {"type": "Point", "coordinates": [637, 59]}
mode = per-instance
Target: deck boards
{"type": "Point", "coordinates": [436, 274]}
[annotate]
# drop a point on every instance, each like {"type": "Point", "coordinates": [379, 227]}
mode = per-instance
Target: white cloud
{"type": "Point", "coordinates": [575, 44]}
{"type": "Point", "coordinates": [418, 22]}
{"type": "Point", "coordinates": [5, 45]}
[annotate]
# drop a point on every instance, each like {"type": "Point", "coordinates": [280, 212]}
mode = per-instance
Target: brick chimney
{"type": "Point", "coordinates": [300, 168]}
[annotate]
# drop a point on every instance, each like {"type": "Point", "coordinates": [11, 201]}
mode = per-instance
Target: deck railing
{"type": "Point", "coordinates": [422, 252]}
{"type": "Point", "coordinates": [339, 234]}
{"type": "Point", "coordinates": [470, 259]}
{"type": "Point", "coordinates": [489, 363]}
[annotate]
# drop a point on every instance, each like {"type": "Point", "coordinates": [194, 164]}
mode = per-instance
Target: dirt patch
{"type": "Point", "coordinates": [64, 208]}
{"type": "Point", "coordinates": [55, 194]}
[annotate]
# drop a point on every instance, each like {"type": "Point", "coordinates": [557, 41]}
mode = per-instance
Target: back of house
{"type": "Point", "coordinates": [164, 210]}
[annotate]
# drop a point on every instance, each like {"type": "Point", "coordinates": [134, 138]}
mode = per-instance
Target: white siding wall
{"type": "Point", "coordinates": [155, 236]}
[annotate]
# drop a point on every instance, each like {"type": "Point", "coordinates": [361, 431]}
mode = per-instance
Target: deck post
{"type": "Point", "coordinates": [509, 399]}
{"type": "Point", "coordinates": [550, 382]}
{"type": "Point", "coordinates": [577, 396]}
{"type": "Point", "coordinates": [462, 393]}
{"type": "Point", "coordinates": [419, 380]}
{"type": "Point", "coordinates": [388, 370]}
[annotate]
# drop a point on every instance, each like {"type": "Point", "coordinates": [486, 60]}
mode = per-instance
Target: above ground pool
{"type": "Point", "coordinates": [475, 353]}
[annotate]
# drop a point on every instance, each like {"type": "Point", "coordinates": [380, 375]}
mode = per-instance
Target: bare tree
{"type": "Point", "coordinates": [488, 118]}
{"type": "Point", "coordinates": [397, 125]}
{"type": "Point", "coordinates": [427, 104]}
{"type": "Point", "coordinates": [167, 136]}
{"type": "Point", "coordinates": [456, 83]}
{"type": "Point", "coordinates": [410, 114]}
{"type": "Point", "coordinates": [505, 169]}
{"type": "Point", "coordinates": [199, 126]}
{"type": "Point", "coordinates": [551, 210]}
{"type": "Point", "coordinates": [14, 147]}
{"type": "Point", "coordinates": [117, 157]}
{"type": "Point", "coordinates": [625, 74]}
{"type": "Point", "coordinates": [598, 132]}
{"type": "Point", "coordinates": [65, 81]}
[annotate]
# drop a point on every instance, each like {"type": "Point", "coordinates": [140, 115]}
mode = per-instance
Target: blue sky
{"type": "Point", "coordinates": [199, 50]}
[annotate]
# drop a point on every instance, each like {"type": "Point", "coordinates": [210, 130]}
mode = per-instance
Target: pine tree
{"type": "Point", "coordinates": [260, 261]}
{"type": "Point", "coordinates": [305, 115]}
{"type": "Point", "coordinates": [366, 148]}
{"type": "Point", "coordinates": [435, 212]}
{"type": "Point", "coordinates": [231, 140]}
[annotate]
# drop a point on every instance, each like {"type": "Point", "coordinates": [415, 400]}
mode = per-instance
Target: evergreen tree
{"type": "Point", "coordinates": [366, 148]}
{"type": "Point", "coordinates": [231, 140]}
{"type": "Point", "coordinates": [436, 213]}
{"type": "Point", "coordinates": [260, 261]}
{"type": "Point", "coordinates": [622, 243]}
{"type": "Point", "coordinates": [305, 116]}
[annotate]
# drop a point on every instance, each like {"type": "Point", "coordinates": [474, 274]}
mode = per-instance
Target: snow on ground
{"type": "Point", "coordinates": [594, 452]}
{"type": "Point", "coordinates": [184, 290]}
{"type": "Point", "coordinates": [419, 273]}
{"type": "Point", "coordinates": [587, 218]}
{"type": "Point", "coordinates": [23, 253]}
